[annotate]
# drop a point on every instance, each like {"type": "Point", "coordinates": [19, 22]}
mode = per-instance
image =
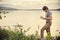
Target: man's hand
{"type": "Point", "coordinates": [42, 17]}
{"type": "Point", "coordinates": [49, 18]}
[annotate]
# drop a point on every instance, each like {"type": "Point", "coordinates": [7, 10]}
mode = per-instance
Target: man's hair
{"type": "Point", "coordinates": [44, 8]}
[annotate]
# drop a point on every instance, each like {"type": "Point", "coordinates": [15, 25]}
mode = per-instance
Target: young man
{"type": "Point", "coordinates": [48, 18]}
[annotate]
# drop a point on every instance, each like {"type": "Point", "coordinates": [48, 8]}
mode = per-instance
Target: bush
{"type": "Point", "coordinates": [16, 35]}
{"type": "Point", "coordinates": [58, 38]}
{"type": "Point", "coordinates": [4, 34]}
{"type": "Point", "coordinates": [20, 35]}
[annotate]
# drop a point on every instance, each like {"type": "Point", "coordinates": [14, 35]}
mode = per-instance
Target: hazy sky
{"type": "Point", "coordinates": [32, 3]}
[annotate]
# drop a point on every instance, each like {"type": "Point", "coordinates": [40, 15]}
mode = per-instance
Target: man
{"type": "Point", "coordinates": [48, 18]}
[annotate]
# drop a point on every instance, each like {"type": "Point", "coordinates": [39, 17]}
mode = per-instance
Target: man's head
{"type": "Point", "coordinates": [45, 8]}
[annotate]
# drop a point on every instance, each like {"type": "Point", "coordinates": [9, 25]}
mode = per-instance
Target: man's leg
{"type": "Point", "coordinates": [42, 31]}
{"type": "Point", "coordinates": [48, 31]}
{"type": "Point", "coordinates": [48, 28]}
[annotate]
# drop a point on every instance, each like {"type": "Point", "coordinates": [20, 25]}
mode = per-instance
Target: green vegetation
{"type": "Point", "coordinates": [19, 34]}
{"type": "Point", "coordinates": [48, 37]}
{"type": "Point", "coordinates": [16, 34]}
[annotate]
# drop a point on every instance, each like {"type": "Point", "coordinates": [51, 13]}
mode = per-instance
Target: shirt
{"type": "Point", "coordinates": [48, 14]}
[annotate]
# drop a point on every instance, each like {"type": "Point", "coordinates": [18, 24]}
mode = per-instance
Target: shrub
{"type": "Point", "coordinates": [4, 34]}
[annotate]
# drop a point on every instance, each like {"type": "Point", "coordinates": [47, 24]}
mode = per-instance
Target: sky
{"type": "Point", "coordinates": [31, 18]}
{"type": "Point", "coordinates": [31, 3]}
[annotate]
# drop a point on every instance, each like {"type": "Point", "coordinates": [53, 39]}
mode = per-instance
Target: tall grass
{"type": "Point", "coordinates": [16, 34]}
{"type": "Point", "coordinates": [19, 34]}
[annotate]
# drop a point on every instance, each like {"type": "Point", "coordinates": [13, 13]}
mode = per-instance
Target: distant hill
{"type": "Point", "coordinates": [11, 7]}
{"type": "Point", "coordinates": [7, 7]}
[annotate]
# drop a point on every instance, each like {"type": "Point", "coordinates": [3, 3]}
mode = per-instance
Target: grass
{"type": "Point", "coordinates": [19, 34]}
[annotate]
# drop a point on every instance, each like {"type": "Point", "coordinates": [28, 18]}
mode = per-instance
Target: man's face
{"type": "Point", "coordinates": [45, 10]}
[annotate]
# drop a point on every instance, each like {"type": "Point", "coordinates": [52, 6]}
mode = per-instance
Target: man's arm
{"type": "Point", "coordinates": [49, 18]}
